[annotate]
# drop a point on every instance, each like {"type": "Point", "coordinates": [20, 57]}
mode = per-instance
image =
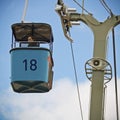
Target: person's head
{"type": "Point", "coordinates": [30, 39]}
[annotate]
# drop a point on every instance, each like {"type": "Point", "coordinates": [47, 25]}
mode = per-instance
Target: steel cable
{"type": "Point", "coordinates": [76, 77]}
{"type": "Point", "coordinates": [81, 7]}
{"type": "Point", "coordinates": [115, 73]}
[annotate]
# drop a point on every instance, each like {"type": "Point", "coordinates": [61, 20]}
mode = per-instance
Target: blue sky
{"type": "Point", "coordinates": [64, 82]}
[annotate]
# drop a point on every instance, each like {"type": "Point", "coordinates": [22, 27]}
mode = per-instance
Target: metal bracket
{"type": "Point", "coordinates": [98, 64]}
{"type": "Point", "coordinates": [63, 11]}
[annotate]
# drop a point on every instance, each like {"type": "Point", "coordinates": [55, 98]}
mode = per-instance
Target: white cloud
{"type": "Point", "coordinates": [110, 100]}
{"type": "Point", "coordinates": [60, 103]}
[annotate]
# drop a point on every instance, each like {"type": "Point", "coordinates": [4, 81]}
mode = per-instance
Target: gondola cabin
{"type": "Point", "coordinates": [31, 63]}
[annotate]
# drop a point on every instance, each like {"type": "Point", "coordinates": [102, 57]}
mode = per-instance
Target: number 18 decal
{"type": "Point", "coordinates": [30, 64]}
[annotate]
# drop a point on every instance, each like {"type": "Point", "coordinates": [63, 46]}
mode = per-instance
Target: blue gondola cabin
{"type": "Point", "coordinates": [31, 64]}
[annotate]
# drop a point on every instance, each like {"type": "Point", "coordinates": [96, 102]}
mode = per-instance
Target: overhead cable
{"type": "Point", "coordinates": [81, 6]}
{"type": "Point", "coordinates": [106, 7]}
{"type": "Point", "coordinates": [76, 78]}
{"type": "Point", "coordinates": [77, 84]}
{"type": "Point", "coordinates": [115, 73]}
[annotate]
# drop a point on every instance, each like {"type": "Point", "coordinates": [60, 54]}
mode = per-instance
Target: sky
{"type": "Point", "coordinates": [61, 102]}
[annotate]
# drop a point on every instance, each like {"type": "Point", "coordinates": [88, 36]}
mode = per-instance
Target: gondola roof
{"type": "Point", "coordinates": [39, 31]}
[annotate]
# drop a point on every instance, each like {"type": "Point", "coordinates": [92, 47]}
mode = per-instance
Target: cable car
{"type": "Point", "coordinates": [31, 59]}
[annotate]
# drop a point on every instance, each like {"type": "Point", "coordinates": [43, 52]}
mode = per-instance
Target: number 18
{"type": "Point", "coordinates": [31, 65]}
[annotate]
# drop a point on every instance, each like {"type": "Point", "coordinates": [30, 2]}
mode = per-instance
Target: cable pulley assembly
{"type": "Point", "coordinates": [64, 12]}
{"type": "Point", "coordinates": [98, 64]}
